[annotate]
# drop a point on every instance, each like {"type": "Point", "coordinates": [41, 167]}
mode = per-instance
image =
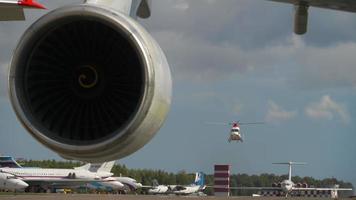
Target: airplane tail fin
{"type": "Point", "coordinates": [290, 163]}
{"type": "Point", "coordinates": [98, 167]}
{"type": "Point", "coordinates": [199, 179]}
{"type": "Point", "coordinates": [9, 161]}
{"type": "Point", "coordinates": [106, 166]}
{"type": "Point", "coordinates": [83, 167]}
{"type": "Point", "coordinates": [155, 183]}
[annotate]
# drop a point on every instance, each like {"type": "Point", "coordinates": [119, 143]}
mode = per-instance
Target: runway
{"type": "Point", "coordinates": [128, 197]}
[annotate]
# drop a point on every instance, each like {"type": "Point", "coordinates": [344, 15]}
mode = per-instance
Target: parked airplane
{"type": "Point", "coordinates": [287, 186]}
{"type": "Point", "coordinates": [197, 186]}
{"type": "Point", "coordinates": [54, 178]}
{"type": "Point", "coordinates": [111, 183]}
{"type": "Point", "coordinates": [302, 6]}
{"type": "Point", "coordinates": [156, 188]}
{"type": "Point", "coordinates": [87, 80]}
{"type": "Point", "coordinates": [105, 183]}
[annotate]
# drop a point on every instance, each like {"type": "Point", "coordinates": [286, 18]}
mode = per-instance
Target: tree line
{"type": "Point", "coordinates": [146, 176]}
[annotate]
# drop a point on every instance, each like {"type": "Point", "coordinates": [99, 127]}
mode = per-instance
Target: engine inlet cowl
{"type": "Point", "coordinates": [90, 83]}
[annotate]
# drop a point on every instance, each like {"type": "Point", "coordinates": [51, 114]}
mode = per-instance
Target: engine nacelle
{"type": "Point", "coordinates": [90, 83]}
{"type": "Point", "coordinates": [301, 18]}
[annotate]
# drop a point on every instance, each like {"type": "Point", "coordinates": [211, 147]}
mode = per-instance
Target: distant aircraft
{"type": "Point", "coordinates": [235, 133]}
{"type": "Point", "coordinates": [109, 183]}
{"type": "Point", "coordinates": [287, 186]}
{"type": "Point", "coordinates": [87, 80]}
{"type": "Point", "coordinates": [197, 186]}
{"type": "Point", "coordinates": [128, 183]}
{"type": "Point", "coordinates": [158, 189]}
{"type": "Point", "coordinates": [194, 188]}
{"type": "Point", "coordinates": [46, 178]}
{"type": "Point", "coordinates": [302, 6]}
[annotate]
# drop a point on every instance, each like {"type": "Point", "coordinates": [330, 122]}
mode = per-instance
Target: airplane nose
{"type": "Point", "coordinates": [21, 184]}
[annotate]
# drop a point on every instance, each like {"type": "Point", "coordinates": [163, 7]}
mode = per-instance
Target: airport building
{"type": "Point", "coordinates": [222, 180]}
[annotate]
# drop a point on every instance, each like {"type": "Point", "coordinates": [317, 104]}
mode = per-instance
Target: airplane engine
{"type": "Point", "coordinates": [90, 83]}
{"type": "Point", "coordinates": [301, 18]}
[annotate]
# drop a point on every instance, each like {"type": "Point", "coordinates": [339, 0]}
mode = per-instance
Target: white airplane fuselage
{"type": "Point", "coordinates": [188, 190]}
{"type": "Point", "coordinates": [41, 174]}
{"type": "Point", "coordinates": [160, 189]}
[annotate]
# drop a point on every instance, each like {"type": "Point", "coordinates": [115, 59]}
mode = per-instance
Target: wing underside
{"type": "Point", "coordinates": [252, 188]}
{"type": "Point", "coordinates": [322, 189]}
{"type": "Point", "coordinates": [343, 5]}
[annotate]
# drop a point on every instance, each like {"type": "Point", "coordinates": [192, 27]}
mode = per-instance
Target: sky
{"type": "Point", "coordinates": [235, 60]}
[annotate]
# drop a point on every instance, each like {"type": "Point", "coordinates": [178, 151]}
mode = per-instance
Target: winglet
{"type": "Point", "coordinates": [30, 4]}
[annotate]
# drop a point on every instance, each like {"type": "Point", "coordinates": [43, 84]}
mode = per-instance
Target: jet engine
{"type": "Point", "coordinates": [90, 83]}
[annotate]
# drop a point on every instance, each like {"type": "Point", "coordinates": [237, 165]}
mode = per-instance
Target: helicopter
{"type": "Point", "coordinates": [235, 133]}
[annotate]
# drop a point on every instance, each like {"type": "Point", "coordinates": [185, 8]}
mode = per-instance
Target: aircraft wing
{"type": "Point", "coordinates": [249, 188]}
{"type": "Point", "coordinates": [343, 5]}
{"type": "Point", "coordinates": [13, 10]}
{"type": "Point", "coordinates": [148, 186]}
{"type": "Point", "coordinates": [322, 189]}
{"type": "Point", "coordinates": [61, 182]}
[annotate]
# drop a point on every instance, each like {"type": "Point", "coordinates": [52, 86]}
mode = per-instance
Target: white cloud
{"type": "Point", "coordinates": [237, 108]}
{"type": "Point", "coordinates": [276, 113]}
{"type": "Point", "coordinates": [327, 109]}
{"type": "Point", "coordinates": [181, 5]}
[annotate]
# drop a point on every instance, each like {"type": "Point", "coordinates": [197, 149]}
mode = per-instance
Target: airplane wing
{"type": "Point", "coordinates": [248, 188]}
{"type": "Point", "coordinates": [322, 189]}
{"type": "Point", "coordinates": [302, 6]}
{"type": "Point", "coordinates": [343, 5]}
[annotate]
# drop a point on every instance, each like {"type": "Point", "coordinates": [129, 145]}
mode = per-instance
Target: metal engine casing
{"type": "Point", "coordinates": [61, 56]}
